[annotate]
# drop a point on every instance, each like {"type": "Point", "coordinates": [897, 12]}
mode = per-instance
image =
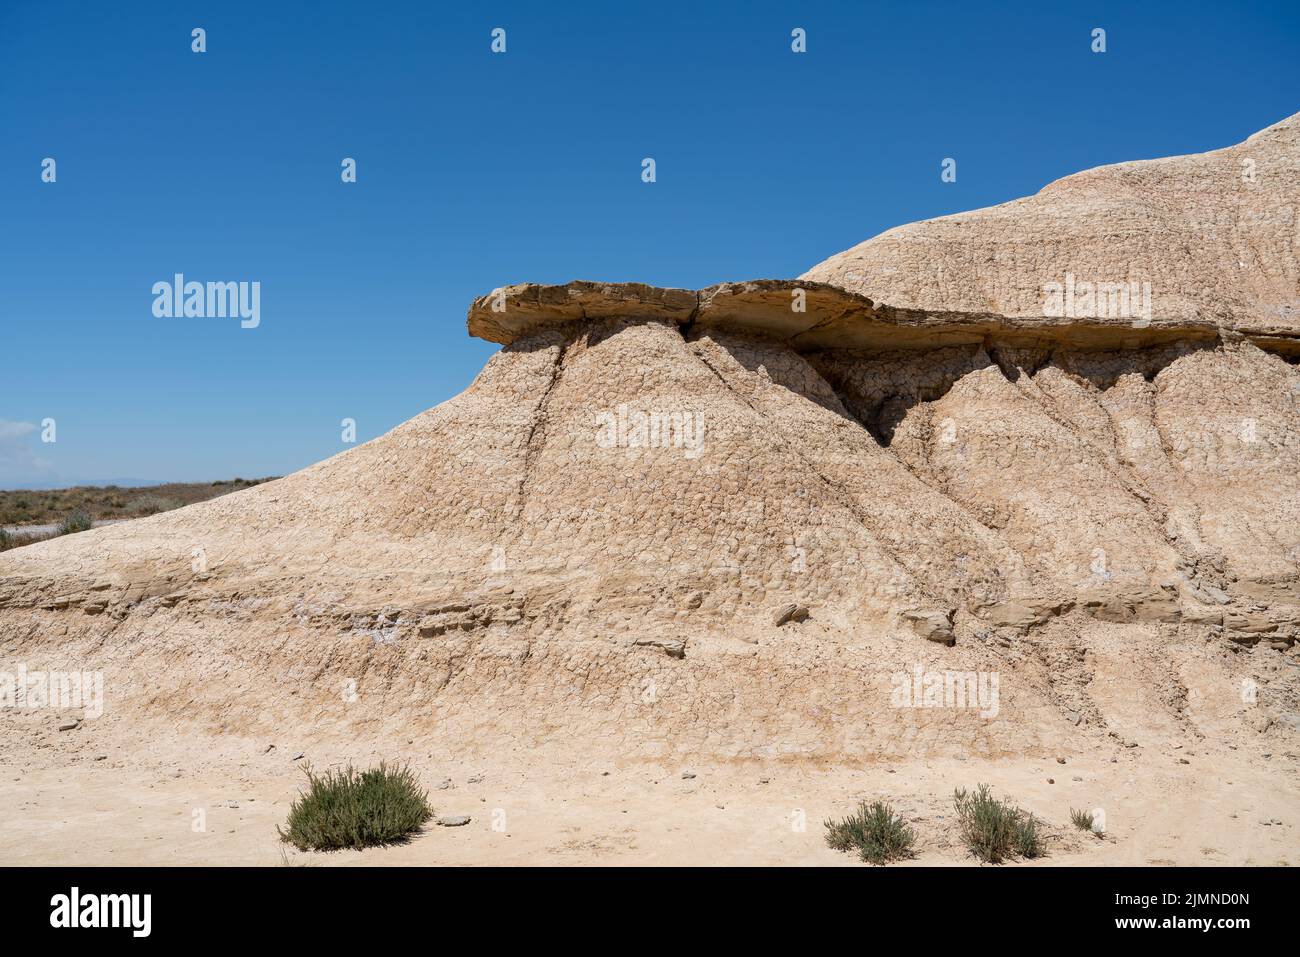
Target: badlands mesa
{"type": "Point", "coordinates": [697, 555]}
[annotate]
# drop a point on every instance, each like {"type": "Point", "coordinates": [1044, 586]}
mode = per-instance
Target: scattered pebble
{"type": "Point", "coordinates": [789, 612]}
{"type": "Point", "coordinates": [453, 820]}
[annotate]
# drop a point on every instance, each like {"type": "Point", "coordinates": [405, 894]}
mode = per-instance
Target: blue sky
{"type": "Point", "coordinates": [478, 169]}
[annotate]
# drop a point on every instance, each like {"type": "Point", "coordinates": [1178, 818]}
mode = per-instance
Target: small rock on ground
{"type": "Point", "coordinates": [789, 612]}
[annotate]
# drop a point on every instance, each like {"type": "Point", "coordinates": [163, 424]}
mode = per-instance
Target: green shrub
{"type": "Point", "coordinates": [1026, 840]}
{"type": "Point", "coordinates": [995, 830]}
{"type": "Point", "coordinates": [351, 808]}
{"type": "Point", "coordinates": [874, 832]}
{"type": "Point", "coordinates": [1081, 819]}
{"type": "Point", "coordinates": [78, 520]}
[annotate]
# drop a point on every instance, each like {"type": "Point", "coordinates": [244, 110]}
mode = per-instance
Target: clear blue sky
{"type": "Point", "coordinates": [475, 170]}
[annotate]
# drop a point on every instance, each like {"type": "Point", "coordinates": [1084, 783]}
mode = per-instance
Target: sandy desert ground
{"type": "Point", "coordinates": [86, 797]}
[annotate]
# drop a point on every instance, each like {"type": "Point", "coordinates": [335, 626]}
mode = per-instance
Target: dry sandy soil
{"type": "Point", "coordinates": [105, 793]}
{"type": "Point", "coordinates": [88, 797]}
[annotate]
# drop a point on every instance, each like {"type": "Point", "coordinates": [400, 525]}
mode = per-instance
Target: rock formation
{"type": "Point", "coordinates": [1214, 234]}
{"type": "Point", "coordinates": [601, 541]}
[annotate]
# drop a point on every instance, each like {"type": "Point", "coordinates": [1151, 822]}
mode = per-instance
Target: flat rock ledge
{"type": "Point", "coordinates": [811, 316]}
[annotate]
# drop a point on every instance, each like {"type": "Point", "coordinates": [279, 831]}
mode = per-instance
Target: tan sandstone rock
{"type": "Point", "coordinates": [569, 550]}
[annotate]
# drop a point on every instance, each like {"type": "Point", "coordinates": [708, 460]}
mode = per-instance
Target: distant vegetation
{"type": "Point", "coordinates": [48, 506]}
{"type": "Point", "coordinates": [77, 509]}
{"type": "Point", "coordinates": [77, 521]}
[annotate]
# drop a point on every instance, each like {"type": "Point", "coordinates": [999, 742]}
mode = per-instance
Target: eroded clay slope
{"type": "Point", "coordinates": [593, 540]}
{"type": "Point", "coordinates": [1213, 234]}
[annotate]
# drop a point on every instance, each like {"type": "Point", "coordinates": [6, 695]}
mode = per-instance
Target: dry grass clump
{"type": "Point", "coordinates": [1081, 819]}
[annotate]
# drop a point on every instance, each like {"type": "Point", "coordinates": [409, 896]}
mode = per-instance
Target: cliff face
{"type": "Point", "coordinates": [594, 541]}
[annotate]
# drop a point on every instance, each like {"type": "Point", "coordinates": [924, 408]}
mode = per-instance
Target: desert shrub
{"type": "Point", "coordinates": [351, 808]}
{"type": "Point", "coordinates": [152, 505]}
{"type": "Point", "coordinates": [1081, 819]}
{"type": "Point", "coordinates": [874, 831]}
{"type": "Point", "coordinates": [10, 540]}
{"type": "Point", "coordinates": [995, 830]}
{"type": "Point", "coordinates": [1026, 839]}
{"type": "Point", "coordinates": [78, 520]}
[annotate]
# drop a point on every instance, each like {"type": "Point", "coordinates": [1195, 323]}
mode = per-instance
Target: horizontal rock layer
{"type": "Point", "coordinates": [810, 316]}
